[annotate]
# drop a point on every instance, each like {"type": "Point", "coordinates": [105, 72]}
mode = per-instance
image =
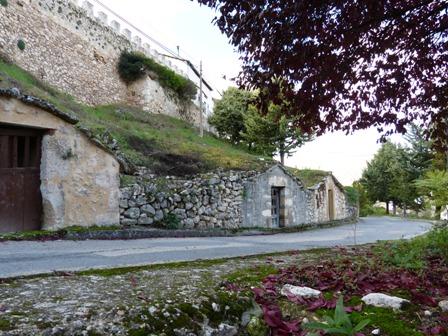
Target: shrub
{"type": "Point", "coordinates": [352, 195]}
{"type": "Point", "coordinates": [171, 222]}
{"type": "Point", "coordinates": [413, 254]}
{"type": "Point", "coordinates": [4, 3]}
{"type": "Point", "coordinates": [21, 45]}
{"type": "Point", "coordinates": [133, 66]}
{"type": "Point", "coordinates": [369, 210]}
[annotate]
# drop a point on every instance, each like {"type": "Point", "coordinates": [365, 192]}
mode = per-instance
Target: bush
{"type": "Point", "coordinates": [414, 253]}
{"type": "Point", "coordinates": [133, 66]}
{"type": "Point", "coordinates": [352, 195]}
{"type": "Point", "coordinates": [171, 222]}
{"type": "Point", "coordinates": [21, 45]}
{"type": "Point", "coordinates": [4, 3]}
{"type": "Point", "coordinates": [369, 210]}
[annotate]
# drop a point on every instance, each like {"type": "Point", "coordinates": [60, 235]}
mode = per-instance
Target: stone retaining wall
{"type": "Point", "coordinates": [76, 53]}
{"type": "Point", "coordinates": [206, 201]}
{"type": "Point", "coordinates": [224, 200]}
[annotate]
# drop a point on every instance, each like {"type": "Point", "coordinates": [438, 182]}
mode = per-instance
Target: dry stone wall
{"type": "Point", "coordinates": [78, 54]}
{"type": "Point", "coordinates": [226, 200]}
{"type": "Point", "coordinates": [203, 202]}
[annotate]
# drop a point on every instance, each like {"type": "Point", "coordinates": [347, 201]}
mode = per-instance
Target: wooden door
{"type": "Point", "coordinates": [20, 197]}
{"type": "Point", "coordinates": [275, 206]}
{"type": "Point", "coordinates": [331, 204]}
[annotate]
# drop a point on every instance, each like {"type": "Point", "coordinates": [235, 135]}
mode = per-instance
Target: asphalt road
{"type": "Point", "coordinates": [27, 258]}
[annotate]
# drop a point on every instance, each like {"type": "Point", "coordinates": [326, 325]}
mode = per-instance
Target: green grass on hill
{"type": "Point", "coordinates": [165, 144]}
{"type": "Point", "coordinates": [309, 177]}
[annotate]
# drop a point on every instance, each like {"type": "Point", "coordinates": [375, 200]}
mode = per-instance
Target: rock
{"type": "Point", "coordinates": [132, 213]}
{"type": "Point", "coordinates": [444, 305]}
{"type": "Point", "coordinates": [384, 301]}
{"type": "Point", "coordinates": [216, 307]}
{"type": "Point", "coordinates": [180, 213]}
{"type": "Point", "coordinates": [123, 204]}
{"type": "Point", "coordinates": [177, 198]}
{"type": "Point", "coordinates": [57, 331]}
{"type": "Point", "coordinates": [141, 200]}
{"type": "Point", "coordinates": [189, 206]}
{"type": "Point", "coordinates": [213, 181]}
{"type": "Point", "coordinates": [305, 292]}
{"type": "Point", "coordinates": [183, 332]}
{"type": "Point", "coordinates": [148, 209]}
{"type": "Point", "coordinates": [427, 313]}
{"type": "Point", "coordinates": [376, 332]}
{"type": "Point", "coordinates": [128, 221]}
{"type": "Point", "coordinates": [189, 223]}
{"type": "Point", "coordinates": [227, 330]}
{"type": "Point", "coordinates": [159, 215]}
{"type": "Point", "coordinates": [145, 221]}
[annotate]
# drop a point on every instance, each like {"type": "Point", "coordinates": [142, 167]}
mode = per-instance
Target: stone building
{"type": "Point", "coordinates": [234, 199]}
{"type": "Point", "coordinates": [330, 201]}
{"type": "Point", "coordinates": [52, 175]}
{"type": "Point", "coordinates": [276, 198]}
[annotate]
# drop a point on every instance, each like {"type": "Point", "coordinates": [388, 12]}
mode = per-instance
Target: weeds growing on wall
{"type": "Point", "coordinates": [21, 45]}
{"type": "Point", "coordinates": [4, 3]}
{"type": "Point", "coordinates": [133, 66]}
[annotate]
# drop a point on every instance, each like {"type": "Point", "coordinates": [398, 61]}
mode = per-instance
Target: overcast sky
{"type": "Point", "coordinates": [185, 24]}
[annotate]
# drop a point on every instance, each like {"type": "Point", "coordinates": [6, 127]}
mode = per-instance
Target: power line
{"type": "Point", "coordinates": [173, 54]}
{"type": "Point", "coordinates": [161, 45]}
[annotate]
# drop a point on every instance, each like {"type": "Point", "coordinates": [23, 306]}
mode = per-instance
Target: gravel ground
{"type": "Point", "coordinates": [69, 304]}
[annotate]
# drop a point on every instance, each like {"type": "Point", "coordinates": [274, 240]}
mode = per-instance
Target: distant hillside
{"type": "Point", "coordinates": [164, 144]}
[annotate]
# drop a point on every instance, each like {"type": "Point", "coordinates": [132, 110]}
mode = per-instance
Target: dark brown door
{"type": "Point", "coordinates": [20, 197]}
{"type": "Point", "coordinates": [331, 204]}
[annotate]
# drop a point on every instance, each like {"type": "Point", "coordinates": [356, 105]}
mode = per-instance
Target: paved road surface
{"type": "Point", "coordinates": [26, 258]}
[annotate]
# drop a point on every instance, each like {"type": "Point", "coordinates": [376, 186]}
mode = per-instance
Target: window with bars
{"type": "Point", "coordinates": [19, 148]}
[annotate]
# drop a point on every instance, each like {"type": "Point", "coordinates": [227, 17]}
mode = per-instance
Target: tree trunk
{"type": "Point", "coordinates": [394, 208]}
{"type": "Point", "coordinates": [387, 208]}
{"type": "Point", "coordinates": [405, 214]}
{"type": "Point", "coordinates": [282, 153]}
{"type": "Point", "coordinates": [438, 211]}
{"type": "Point", "coordinates": [282, 157]}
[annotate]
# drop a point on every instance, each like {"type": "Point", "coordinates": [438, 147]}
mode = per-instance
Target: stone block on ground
{"type": "Point", "coordinates": [384, 301]}
{"type": "Point", "coordinates": [444, 305]}
{"type": "Point", "coordinates": [304, 292]}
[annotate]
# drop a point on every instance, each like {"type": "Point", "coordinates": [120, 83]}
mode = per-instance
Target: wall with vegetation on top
{"type": "Point", "coordinates": [59, 43]}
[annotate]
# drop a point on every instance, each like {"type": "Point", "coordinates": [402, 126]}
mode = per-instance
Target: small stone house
{"type": "Point", "coordinates": [276, 198]}
{"type": "Point", "coordinates": [52, 175]}
{"type": "Point", "coordinates": [329, 200]}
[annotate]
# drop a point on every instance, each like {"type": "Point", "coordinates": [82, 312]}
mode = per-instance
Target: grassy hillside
{"type": "Point", "coordinates": [309, 177]}
{"type": "Point", "coordinates": [166, 145]}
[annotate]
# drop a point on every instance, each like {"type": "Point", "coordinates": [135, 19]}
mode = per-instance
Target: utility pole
{"type": "Point", "coordinates": [201, 110]}
{"type": "Point", "coordinates": [202, 82]}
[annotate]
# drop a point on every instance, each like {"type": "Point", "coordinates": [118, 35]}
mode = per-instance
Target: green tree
{"type": "Point", "coordinates": [419, 152]}
{"type": "Point", "coordinates": [273, 133]}
{"type": "Point", "coordinates": [228, 114]}
{"type": "Point", "coordinates": [383, 176]}
{"type": "Point", "coordinates": [435, 184]}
